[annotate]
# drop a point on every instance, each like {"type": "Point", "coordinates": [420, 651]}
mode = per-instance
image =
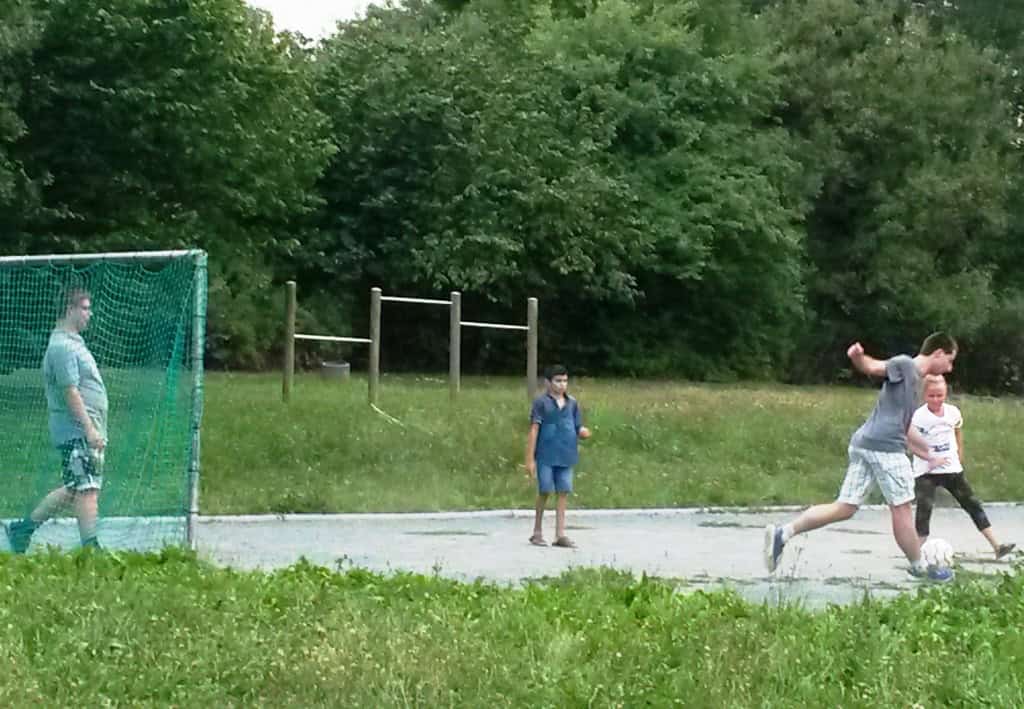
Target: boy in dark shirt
{"type": "Point", "coordinates": [552, 451]}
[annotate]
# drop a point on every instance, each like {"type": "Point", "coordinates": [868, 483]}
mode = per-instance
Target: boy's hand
{"type": "Point", "coordinates": [855, 350]}
{"type": "Point", "coordinates": [936, 462]}
{"type": "Point", "coordinates": [531, 469]}
{"type": "Point", "coordinates": [584, 432]}
{"type": "Point", "coordinates": [95, 440]}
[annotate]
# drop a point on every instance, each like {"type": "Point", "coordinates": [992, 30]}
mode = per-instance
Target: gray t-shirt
{"type": "Point", "coordinates": [68, 362]}
{"type": "Point", "coordinates": [886, 427]}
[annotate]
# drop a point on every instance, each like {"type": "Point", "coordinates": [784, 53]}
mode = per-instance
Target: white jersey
{"type": "Point", "coordinates": [939, 432]}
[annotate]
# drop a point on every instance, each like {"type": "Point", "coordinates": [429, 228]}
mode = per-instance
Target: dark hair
{"type": "Point", "coordinates": [555, 370]}
{"type": "Point", "coordinates": [938, 341]}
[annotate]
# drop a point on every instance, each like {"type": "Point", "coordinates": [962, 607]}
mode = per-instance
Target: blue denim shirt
{"type": "Point", "coordinates": [559, 429]}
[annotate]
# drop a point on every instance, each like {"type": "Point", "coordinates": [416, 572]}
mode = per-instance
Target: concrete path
{"type": "Point", "coordinates": [700, 548]}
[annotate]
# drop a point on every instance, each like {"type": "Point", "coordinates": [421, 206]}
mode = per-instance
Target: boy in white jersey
{"type": "Point", "coordinates": [941, 426]}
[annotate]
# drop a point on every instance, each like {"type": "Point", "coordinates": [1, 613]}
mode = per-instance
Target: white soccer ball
{"type": "Point", "coordinates": [937, 553]}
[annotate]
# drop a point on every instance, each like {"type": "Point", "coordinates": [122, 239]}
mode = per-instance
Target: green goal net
{"type": "Point", "coordinates": [145, 335]}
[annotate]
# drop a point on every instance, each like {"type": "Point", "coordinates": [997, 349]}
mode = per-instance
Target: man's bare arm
{"type": "Point", "coordinates": [77, 408]}
{"type": "Point", "coordinates": [864, 364]}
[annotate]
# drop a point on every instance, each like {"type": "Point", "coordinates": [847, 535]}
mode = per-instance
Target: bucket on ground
{"type": "Point", "coordinates": [335, 370]}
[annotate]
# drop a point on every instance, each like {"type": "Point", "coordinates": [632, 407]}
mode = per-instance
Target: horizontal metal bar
{"type": "Point", "coordinates": [493, 325]}
{"type": "Point", "coordinates": [331, 338]}
{"type": "Point", "coordinates": [89, 258]}
{"type": "Point", "coordinates": [423, 301]}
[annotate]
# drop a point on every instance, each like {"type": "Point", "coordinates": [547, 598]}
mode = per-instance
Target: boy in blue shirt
{"type": "Point", "coordinates": [551, 450]}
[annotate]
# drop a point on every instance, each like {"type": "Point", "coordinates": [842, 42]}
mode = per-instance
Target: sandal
{"type": "Point", "coordinates": [564, 542]}
{"type": "Point", "coordinates": [538, 541]}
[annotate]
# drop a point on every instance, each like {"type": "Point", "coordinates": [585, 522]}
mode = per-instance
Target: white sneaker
{"type": "Point", "coordinates": [773, 546]}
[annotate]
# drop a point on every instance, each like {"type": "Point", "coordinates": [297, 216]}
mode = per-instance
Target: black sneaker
{"type": "Point", "coordinates": [1004, 549]}
{"type": "Point", "coordinates": [19, 534]}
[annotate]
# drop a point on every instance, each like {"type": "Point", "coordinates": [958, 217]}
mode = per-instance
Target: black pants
{"type": "Point", "coordinates": [959, 488]}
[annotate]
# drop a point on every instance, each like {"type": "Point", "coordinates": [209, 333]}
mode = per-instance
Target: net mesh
{"type": "Point", "coordinates": [142, 335]}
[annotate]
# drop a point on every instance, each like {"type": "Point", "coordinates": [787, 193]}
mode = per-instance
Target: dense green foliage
{"type": "Point", "coordinates": [170, 631]}
{"type": "Point", "coordinates": [711, 189]}
{"type": "Point", "coordinates": [155, 125]}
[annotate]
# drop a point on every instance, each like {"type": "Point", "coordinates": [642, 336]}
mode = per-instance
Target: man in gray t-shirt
{"type": "Point", "coordinates": [76, 399]}
{"type": "Point", "coordinates": [878, 453]}
{"type": "Point", "coordinates": [68, 365]}
{"type": "Point", "coordinates": [887, 426]}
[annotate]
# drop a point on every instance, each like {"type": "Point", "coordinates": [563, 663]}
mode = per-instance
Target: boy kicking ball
{"type": "Point", "coordinates": [551, 451]}
{"type": "Point", "coordinates": [878, 454]}
{"type": "Point", "coordinates": [941, 426]}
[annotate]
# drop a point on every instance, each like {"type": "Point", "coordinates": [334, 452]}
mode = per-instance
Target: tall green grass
{"type": "Point", "coordinates": [655, 444]}
{"type": "Point", "coordinates": [110, 630]}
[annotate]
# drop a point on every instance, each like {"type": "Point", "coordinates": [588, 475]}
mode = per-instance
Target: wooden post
{"type": "Point", "coordinates": [532, 317]}
{"type": "Point", "coordinates": [289, 341]}
{"type": "Point", "coordinates": [374, 378]}
{"type": "Point", "coordinates": [455, 345]}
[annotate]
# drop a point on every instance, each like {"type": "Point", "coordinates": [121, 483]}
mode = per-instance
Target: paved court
{"type": "Point", "coordinates": [700, 548]}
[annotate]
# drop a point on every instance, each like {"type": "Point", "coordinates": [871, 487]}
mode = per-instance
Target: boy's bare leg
{"type": "Point", "coordinates": [775, 538]}
{"type": "Point", "coordinates": [821, 515]}
{"type": "Point", "coordinates": [50, 505]}
{"type": "Point", "coordinates": [905, 532]}
{"type": "Point", "coordinates": [1000, 550]}
{"type": "Point", "coordinates": [990, 538]}
{"type": "Point", "coordinates": [563, 499]}
{"type": "Point", "coordinates": [538, 515]}
{"type": "Point", "coordinates": [86, 504]}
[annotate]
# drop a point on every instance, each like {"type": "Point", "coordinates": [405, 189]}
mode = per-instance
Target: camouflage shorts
{"type": "Point", "coordinates": [81, 466]}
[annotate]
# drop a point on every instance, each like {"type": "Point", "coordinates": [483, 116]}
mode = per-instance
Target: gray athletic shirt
{"type": "Point", "coordinates": [886, 427]}
{"type": "Point", "coordinates": [68, 362]}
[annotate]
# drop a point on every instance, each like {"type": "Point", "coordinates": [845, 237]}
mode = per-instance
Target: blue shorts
{"type": "Point", "coordinates": [553, 478]}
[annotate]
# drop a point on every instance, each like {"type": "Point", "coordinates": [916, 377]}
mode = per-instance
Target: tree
{"type": "Point", "coordinates": [602, 161]}
{"type": "Point", "coordinates": [19, 31]}
{"type": "Point", "coordinates": [910, 139]}
{"type": "Point", "coordinates": [687, 92]}
{"type": "Point", "coordinates": [165, 123]}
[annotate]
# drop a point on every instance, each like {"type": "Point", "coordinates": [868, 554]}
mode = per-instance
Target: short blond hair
{"type": "Point", "coordinates": [70, 297]}
{"type": "Point", "coordinates": [75, 297]}
{"type": "Point", "coordinates": [934, 380]}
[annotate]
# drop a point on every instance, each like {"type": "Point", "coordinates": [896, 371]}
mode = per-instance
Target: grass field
{"type": "Point", "coordinates": [167, 630]}
{"type": "Point", "coordinates": [83, 630]}
{"type": "Point", "coordinates": [655, 444]}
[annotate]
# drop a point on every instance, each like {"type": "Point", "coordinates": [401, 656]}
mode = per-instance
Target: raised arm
{"type": "Point", "coordinates": [864, 364]}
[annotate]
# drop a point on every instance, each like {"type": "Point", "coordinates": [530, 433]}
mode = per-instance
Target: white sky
{"type": "Point", "coordinates": [313, 18]}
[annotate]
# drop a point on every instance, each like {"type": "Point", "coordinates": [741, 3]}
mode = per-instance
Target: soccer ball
{"type": "Point", "coordinates": [937, 553]}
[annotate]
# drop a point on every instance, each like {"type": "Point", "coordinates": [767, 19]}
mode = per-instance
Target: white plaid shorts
{"type": "Point", "coordinates": [81, 466]}
{"type": "Point", "coordinates": [892, 472]}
